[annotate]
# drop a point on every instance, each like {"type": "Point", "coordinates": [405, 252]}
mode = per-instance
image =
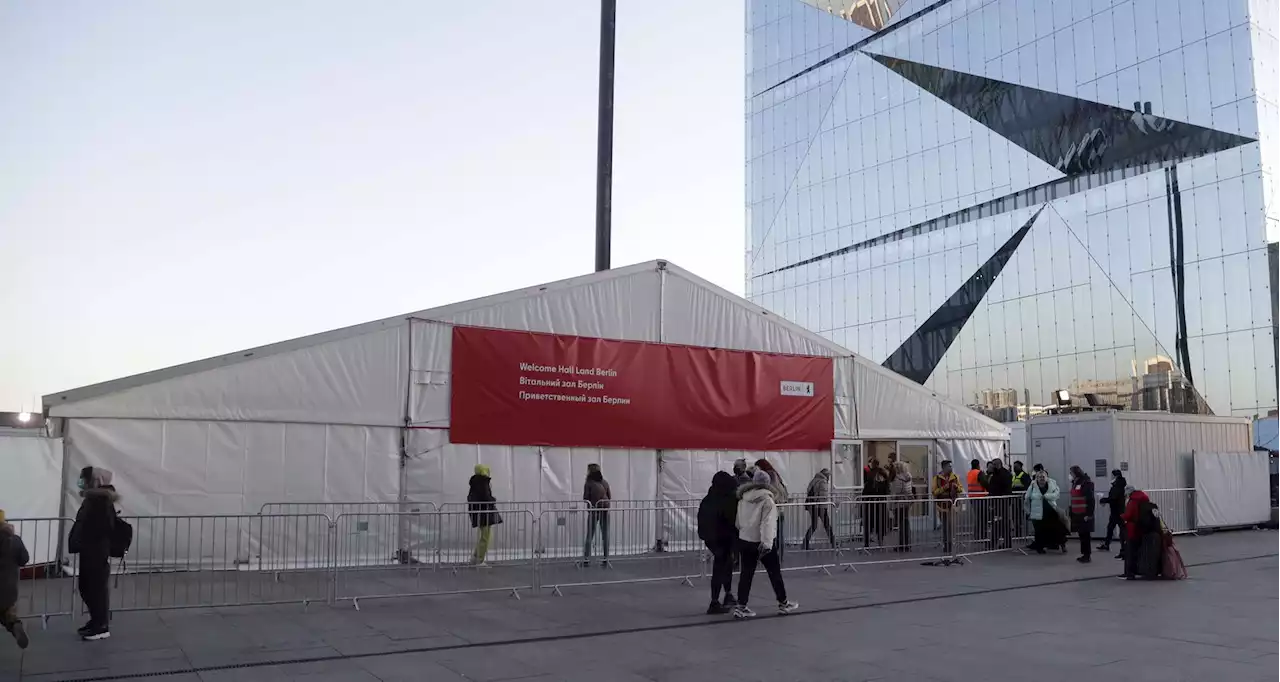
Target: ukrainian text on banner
{"type": "Point", "coordinates": [526, 388]}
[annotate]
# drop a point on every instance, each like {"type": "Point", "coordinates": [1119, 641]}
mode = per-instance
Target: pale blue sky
{"type": "Point", "coordinates": [183, 179]}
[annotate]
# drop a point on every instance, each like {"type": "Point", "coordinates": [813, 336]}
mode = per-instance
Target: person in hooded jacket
{"type": "Point", "coordinates": [757, 521]}
{"type": "Point", "coordinates": [817, 497]}
{"type": "Point", "coordinates": [483, 509]}
{"type": "Point", "coordinates": [1144, 546]}
{"type": "Point", "coordinates": [781, 496]}
{"type": "Point", "coordinates": [596, 492]}
{"type": "Point", "coordinates": [1115, 502]}
{"type": "Point", "coordinates": [90, 538]}
{"type": "Point", "coordinates": [1042, 505]}
{"type": "Point", "coordinates": [13, 556]}
{"type": "Point", "coordinates": [717, 528]}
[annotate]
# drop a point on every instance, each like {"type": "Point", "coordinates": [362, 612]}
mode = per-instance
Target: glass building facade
{"type": "Point", "coordinates": [1003, 198]}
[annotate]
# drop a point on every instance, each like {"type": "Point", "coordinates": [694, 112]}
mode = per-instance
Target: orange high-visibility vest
{"type": "Point", "coordinates": [975, 488]}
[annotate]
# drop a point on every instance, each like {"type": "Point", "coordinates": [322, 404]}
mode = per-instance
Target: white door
{"type": "Point", "coordinates": [1051, 453]}
{"type": "Point", "coordinates": [846, 467]}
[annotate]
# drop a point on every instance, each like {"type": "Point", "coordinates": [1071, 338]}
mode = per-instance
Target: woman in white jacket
{"type": "Point", "coordinates": [1042, 500]}
{"type": "Point", "coordinates": [757, 527]}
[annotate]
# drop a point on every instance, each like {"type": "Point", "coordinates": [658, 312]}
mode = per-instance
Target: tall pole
{"type": "Point", "coordinates": [604, 136]}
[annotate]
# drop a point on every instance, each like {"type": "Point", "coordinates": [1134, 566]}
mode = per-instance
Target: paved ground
{"type": "Point", "coordinates": [1005, 616]}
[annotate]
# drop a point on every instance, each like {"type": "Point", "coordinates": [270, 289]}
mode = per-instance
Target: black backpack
{"type": "Point", "coordinates": [1148, 518]}
{"type": "Point", "coordinates": [121, 537]}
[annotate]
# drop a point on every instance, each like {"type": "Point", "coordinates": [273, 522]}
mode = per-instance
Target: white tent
{"type": "Point", "coordinates": [323, 417]}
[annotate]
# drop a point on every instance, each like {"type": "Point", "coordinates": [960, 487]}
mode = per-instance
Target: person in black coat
{"type": "Point", "coordinates": [1005, 509]}
{"type": "Point", "coordinates": [481, 504]}
{"type": "Point", "coordinates": [91, 539]}
{"type": "Point", "coordinates": [1115, 502]}
{"type": "Point", "coordinates": [718, 530]}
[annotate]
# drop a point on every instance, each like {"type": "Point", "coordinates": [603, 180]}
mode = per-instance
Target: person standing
{"type": "Point", "coordinates": [1082, 508]}
{"type": "Point", "coordinates": [874, 505]}
{"type": "Point", "coordinates": [1021, 479]}
{"type": "Point", "coordinates": [1143, 546]}
{"type": "Point", "coordinates": [946, 490]}
{"type": "Point", "coordinates": [1042, 505]}
{"type": "Point", "coordinates": [482, 507]}
{"type": "Point", "coordinates": [91, 539]}
{"type": "Point", "coordinates": [818, 497]}
{"type": "Point", "coordinates": [13, 556]}
{"type": "Point", "coordinates": [718, 530]}
{"type": "Point", "coordinates": [757, 522]}
{"type": "Point", "coordinates": [1115, 520]}
{"type": "Point", "coordinates": [740, 473]}
{"type": "Point", "coordinates": [781, 496]}
{"type": "Point", "coordinates": [902, 493]}
{"type": "Point", "coordinates": [596, 492]}
{"type": "Point", "coordinates": [976, 487]}
{"type": "Point", "coordinates": [1004, 505]}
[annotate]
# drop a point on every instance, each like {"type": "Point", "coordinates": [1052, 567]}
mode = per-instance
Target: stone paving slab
{"type": "Point", "coordinates": [897, 618]}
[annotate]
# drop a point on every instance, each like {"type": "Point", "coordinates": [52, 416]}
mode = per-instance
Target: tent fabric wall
{"type": "Point", "coordinates": [32, 468]}
{"type": "Point", "coordinates": [1232, 489]}
{"type": "Point", "coordinates": [358, 380]}
{"type": "Point", "coordinates": [320, 418]}
{"type": "Point", "coordinates": [197, 468]}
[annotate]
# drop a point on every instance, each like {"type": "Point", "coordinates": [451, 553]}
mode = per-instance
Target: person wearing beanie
{"type": "Point", "coordinates": [483, 508]}
{"type": "Point", "coordinates": [597, 494]}
{"type": "Point", "coordinates": [757, 522]}
{"type": "Point", "coordinates": [13, 556]}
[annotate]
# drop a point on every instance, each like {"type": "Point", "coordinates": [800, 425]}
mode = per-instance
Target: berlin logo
{"type": "Point", "coordinates": [798, 388]}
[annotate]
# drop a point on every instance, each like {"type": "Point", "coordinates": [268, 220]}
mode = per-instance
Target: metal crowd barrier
{"type": "Point", "coordinates": [446, 554]}
{"type": "Point", "coordinates": [397, 549]}
{"type": "Point", "coordinates": [1177, 508]}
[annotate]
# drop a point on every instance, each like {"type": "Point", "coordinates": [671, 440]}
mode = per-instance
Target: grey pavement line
{"type": "Point", "coordinates": [622, 631]}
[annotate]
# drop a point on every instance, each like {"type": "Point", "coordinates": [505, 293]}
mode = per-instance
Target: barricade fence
{"type": "Point", "coordinates": [370, 550]}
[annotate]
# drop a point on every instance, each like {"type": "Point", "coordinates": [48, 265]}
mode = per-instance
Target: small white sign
{"type": "Point", "coordinates": [798, 388]}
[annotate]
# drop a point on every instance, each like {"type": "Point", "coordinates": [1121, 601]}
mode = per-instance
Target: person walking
{"type": "Point", "coordinates": [1115, 520]}
{"type": "Point", "coordinates": [598, 495]}
{"type": "Point", "coordinates": [13, 556]}
{"type": "Point", "coordinates": [946, 490]}
{"type": "Point", "coordinates": [718, 530]}
{"type": "Point", "coordinates": [1082, 508]}
{"type": "Point", "coordinates": [900, 488]}
{"type": "Point", "coordinates": [482, 507]}
{"type": "Point", "coordinates": [90, 538]}
{"type": "Point", "coordinates": [781, 496]}
{"type": "Point", "coordinates": [818, 498]}
{"type": "Point", "coordinates": [1042, 505]}
{"type": "Point", "coordinates": [757, 522]}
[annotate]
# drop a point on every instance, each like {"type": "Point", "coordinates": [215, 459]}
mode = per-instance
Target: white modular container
{"type": "Point", "coordinates": [1152, 449]}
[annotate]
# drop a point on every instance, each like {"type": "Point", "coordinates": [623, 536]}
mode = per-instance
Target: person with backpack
{"type": "Point", "coordinates": [483, 510]}
{"type": "Point", "coordinates": [817, 498]}
{"type": "Point", "coordinates": [717, 514]}
{"type": "Point", "coordinates": [13, 556]}
{"type": "Point", "coordinates": [1144, 544]}
{"type": "Point", "coordinates": [91, 538]}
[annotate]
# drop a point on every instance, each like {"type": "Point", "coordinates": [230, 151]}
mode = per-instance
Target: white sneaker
{"type": "Point", "coordinates": [740, 612]}
{"type": "Point", "coordinates": [785, 607]}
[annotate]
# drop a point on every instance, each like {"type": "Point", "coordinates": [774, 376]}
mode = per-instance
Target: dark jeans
{"type": "Point", "coordinates": [750, 553]}
{"type": "Point", "coordinates": [1114, 523]}
{"type": "Point", "coordinates": [597, 518]}
{"type": "Point", "coordinates": [902, 515]}
{"type": "Point", "coordinates": [1084, 529]}
{"type": "Point", "coordinates": [948, 527]}
{"type": "Point", "coordinates": [779, 542]}
{"type": "Point", "coordinates": [721, 571]}
{"type": "Point", "coordinates": [819, 514]}
{"type": "Point", "coordinates": [95, 589]}
{"type": "Point", "coordinates": [1002, 517]}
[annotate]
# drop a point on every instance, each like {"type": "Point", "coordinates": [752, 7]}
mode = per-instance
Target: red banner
{"type": "Point", "coordinates": [525, 388]}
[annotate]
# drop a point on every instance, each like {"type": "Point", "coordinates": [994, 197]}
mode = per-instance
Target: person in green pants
{"type": "Point", "coordinates": [483, 511]}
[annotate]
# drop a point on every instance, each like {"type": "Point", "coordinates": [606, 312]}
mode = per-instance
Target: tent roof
{"type": "Point", "coordinates": [632, 282]}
